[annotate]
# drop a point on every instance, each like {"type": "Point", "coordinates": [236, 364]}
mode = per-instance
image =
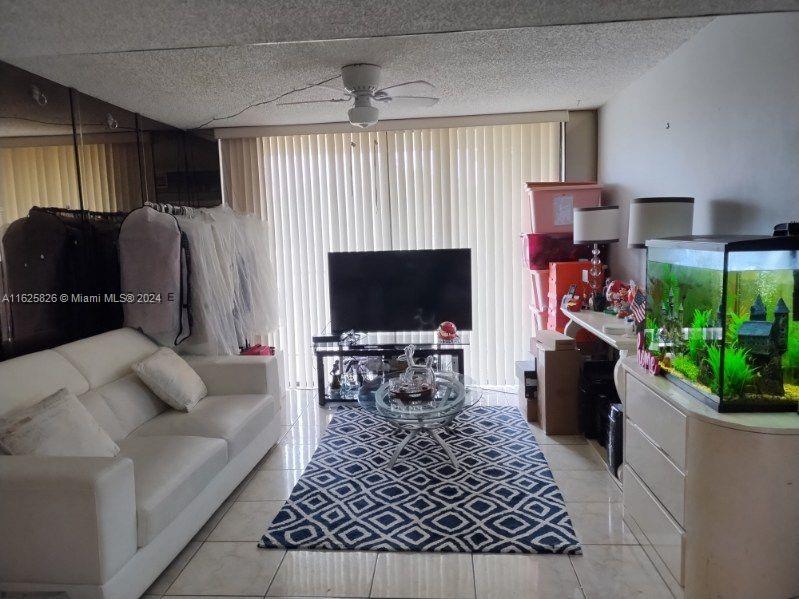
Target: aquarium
{"type": "Point", "coordinates": [722, 319]}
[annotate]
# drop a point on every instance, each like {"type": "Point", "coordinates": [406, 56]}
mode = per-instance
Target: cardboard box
{"type": "Point", "coordinates": [558, 368]}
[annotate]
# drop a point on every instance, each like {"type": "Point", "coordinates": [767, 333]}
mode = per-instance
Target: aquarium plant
{"type": "Point", "coordinates": [686, 367]}
{"type": "Point", "coordinates": [737, 372]}
{"type": "Point", "coordinates": [696, 339]}
{"type": "Point", "coordinates": [721, 313]}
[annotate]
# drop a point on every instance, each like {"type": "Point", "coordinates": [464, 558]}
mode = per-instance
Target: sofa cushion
{"type": "Point", "coordinates": [29, 379]}
{"type": "Point", "coordinates": [108, 356]}
{"type": "Point", "coordinates": [169, 472]}
{"type": "Point", "coordinates": [98, 407]}
{"type": "Point", "coordinates": [58, 425]}
{"type": "Point", "coordinates": [132, 402]}
{"type": "Point", "coordinates": [171, 379]}
{"type": "Point", "coordinates": [237, 419]}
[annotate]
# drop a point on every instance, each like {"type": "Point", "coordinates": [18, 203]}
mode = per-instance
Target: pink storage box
{"type": "Point", "coordinates": [552, 204]}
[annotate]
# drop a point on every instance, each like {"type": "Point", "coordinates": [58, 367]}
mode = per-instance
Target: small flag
{"type": "Point", "coordinates": [638, 307]}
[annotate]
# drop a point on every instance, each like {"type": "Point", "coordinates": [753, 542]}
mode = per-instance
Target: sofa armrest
{"type": "Point", "coordinates": [65, 520]}
{"type": "Point", "coordinates": [235, 375]}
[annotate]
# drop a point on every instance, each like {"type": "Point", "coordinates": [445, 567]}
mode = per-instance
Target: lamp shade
{"type": "Point", "coordinates": [655, 218]}
{"type": "Point", "coordinates": [596, 225]}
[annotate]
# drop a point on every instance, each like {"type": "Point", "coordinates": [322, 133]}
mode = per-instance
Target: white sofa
{"type": "Point", "coordinates": [107, 527]}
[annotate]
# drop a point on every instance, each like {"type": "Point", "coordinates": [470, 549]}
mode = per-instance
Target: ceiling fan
{"type": "Point", "coordinates": [362, 86]}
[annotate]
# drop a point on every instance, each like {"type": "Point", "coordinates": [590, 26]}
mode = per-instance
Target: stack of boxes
{"type": "Point", "coordinates": [549, 252]}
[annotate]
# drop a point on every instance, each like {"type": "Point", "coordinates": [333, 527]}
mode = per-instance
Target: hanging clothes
{"type": "Point", "coordinates": [234, 297]}
{"type": "Point", "coordinates": [153, 263]}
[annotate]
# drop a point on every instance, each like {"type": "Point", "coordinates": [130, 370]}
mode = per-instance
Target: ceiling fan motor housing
{"type": "Point", "coordinates": [361, 77]}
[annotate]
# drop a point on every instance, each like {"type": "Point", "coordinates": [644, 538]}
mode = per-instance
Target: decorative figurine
{"type": "Point", "coordinates": [335, 382]}
{"type": "Point", "coordinates": [418, 382]}
{"type": "Point", "coordinates": [765, 343]}
{"type": "Point", "coordinates": [447, 331]}
{"type": "Point", "coordinates": [616, 294]}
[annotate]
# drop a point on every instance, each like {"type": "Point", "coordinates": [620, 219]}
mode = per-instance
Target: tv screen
{"type": "Point", "coordinates": [400, 290]}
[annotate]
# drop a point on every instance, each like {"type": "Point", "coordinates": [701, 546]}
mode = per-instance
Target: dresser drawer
{"type": "Point", "coordinates": [664, 424]}
{"type": "Point", "coordinates": [662, 532]}
{"type": "Point", "coordinates": [659, 473]}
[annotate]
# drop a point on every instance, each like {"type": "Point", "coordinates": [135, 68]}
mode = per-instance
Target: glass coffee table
{"type": "Point", "coordinates": [452, 396]}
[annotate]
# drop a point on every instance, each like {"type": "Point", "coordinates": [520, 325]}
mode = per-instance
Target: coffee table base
{"type": "Point", "coordinates": [412, 433]}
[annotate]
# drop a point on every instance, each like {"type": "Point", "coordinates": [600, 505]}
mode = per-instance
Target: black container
{"type": "Point", "coordinates": [596, 392]}
{"type": "Point", "coordinates": [615, 432]}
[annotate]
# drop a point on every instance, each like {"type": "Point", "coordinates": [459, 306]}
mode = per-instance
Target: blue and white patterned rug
{"type": "Point", "coordinates": [503, 498]}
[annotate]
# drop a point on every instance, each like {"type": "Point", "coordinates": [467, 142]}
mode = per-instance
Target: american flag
{"type": "Point", "coordinates": [638, 307]}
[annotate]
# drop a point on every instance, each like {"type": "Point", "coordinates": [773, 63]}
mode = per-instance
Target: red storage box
{"type": "Point", "coordinates": [552, 204]}
{"type": "Point", "coordinates": [540, 249]}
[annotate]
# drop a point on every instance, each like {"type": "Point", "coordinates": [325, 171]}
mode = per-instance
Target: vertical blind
{"type": "Point", "coordinates": [458, 187]}
{"type": "Point", "coordinates": [47, 176]}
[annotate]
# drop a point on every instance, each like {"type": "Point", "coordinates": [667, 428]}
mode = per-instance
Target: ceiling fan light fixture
{"type": "Point", "coordinates": [363, 116]}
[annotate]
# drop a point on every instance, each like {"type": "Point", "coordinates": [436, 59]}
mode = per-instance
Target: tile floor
{"type": "Point", "coordinates": [223, 560]}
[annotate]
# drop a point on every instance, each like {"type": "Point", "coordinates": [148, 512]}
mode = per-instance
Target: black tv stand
{"type": "Point", "coordinates": [385, 346]}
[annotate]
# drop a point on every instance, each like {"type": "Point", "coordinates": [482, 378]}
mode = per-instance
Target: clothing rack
{"type": "Point", "coordinates": [171, 208]}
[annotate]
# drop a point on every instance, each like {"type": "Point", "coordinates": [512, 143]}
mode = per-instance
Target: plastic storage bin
{"type": "Point", "coordinates": [538, 250]}
{"type": "Point", "coordinates": [552, 204]}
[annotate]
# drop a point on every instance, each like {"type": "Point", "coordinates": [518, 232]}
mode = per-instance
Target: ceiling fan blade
{"type": "Point", "coordinates": [409, 100]}
{"type": "Point", "coordinates": [333, 100]}
{"type": "Point", "coordinates": [419, 82]}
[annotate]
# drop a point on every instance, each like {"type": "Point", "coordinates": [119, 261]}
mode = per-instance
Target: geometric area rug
{"type": "Point", "coordinates": [502, 499]}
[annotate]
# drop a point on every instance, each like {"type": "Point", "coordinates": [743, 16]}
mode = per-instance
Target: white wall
{"type": "Point", "coordinates": [717, 120]}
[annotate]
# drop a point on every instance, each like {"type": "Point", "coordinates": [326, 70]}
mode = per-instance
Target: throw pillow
{"type": "Point", "coordinates": [172, 379]}
{"type": "Point", "coordinates": [58, 425]}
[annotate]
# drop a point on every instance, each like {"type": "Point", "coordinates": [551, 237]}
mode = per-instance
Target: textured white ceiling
{"type": "Point", "coordinates": [40, 27]}
{"type": "Point", "coordinates": [476, 72]}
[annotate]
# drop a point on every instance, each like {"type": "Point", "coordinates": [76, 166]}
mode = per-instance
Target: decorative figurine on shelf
{"type": "Point", "coordinates": [447, 332]}
{"type": "Point", "coordinates": [418, 382]}
{"type": "Point", "coordinates": [335, 382]}
{"type": "Point", "coordinates": [616, 296]}
{"type": "Point", "coordinates": [765, 342]}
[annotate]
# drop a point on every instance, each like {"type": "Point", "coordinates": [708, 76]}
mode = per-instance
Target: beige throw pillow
{"type": "Point", "coordinates": [171, 378]}
{"type": "Point", "coordinates": [56, 426]}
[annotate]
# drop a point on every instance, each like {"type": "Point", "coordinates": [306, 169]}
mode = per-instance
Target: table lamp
{"type": "Point", "coordinates": [656, 218]}
{"type": "Point", "coordinates": [596, 225]}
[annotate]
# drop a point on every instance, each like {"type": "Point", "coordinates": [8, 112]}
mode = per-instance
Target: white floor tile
{"type": "Point", "coordinates": [600, 523]}
{"type": "Point", "coordinates": [287, 457]}
{"type": "Point", "coordinates": [246, 521]}
{"type": "Point", "coordinates": [171, 572]}
{"type": "Point", "coordinates": [211, 523]}
{"type": "Point", "coordinates": [572, 457]}
{"type": "Point", "coordinates": [587, 485]}
{"type": "Point", "coordinates": [430, 575]}
{"type": "Point", "coordinates": [324, 574]}
{"type": "Point", "coordinates": [543, 439]}
{"type": "Point", "coordinates": [302, 435]}
{"type": "Point", "coordinates": [270, 485]}
{"type": "Point", "coordinates": [228, 569]}
{"type": "Point", "coordinates": [614, 571]}
{"type": "Point", "coordinates": [528, 576]}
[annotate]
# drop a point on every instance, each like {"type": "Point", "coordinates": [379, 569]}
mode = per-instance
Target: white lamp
{"type": "Point", "coordinates": [655, 218]}
{"type": "Point", "coordinates": [596, 225]}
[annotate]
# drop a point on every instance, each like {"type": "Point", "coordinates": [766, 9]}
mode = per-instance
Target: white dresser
{"type": "Point", "coordinates": [713, 498]}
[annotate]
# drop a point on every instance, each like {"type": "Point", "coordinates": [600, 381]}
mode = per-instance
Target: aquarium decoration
{"type": "Point", "coordinates": [721, 319]}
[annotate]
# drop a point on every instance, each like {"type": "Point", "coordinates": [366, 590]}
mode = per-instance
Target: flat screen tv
{"type": "Point", "coordinates": [400, 290]}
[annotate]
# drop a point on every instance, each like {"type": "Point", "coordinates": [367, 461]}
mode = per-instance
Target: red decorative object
{"type": "Point", "coordinates": [447, 331]}
{"type": "Point", "coordinates": [258, 350]}
{"type": "Point", "coordinates": [645, 358]}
